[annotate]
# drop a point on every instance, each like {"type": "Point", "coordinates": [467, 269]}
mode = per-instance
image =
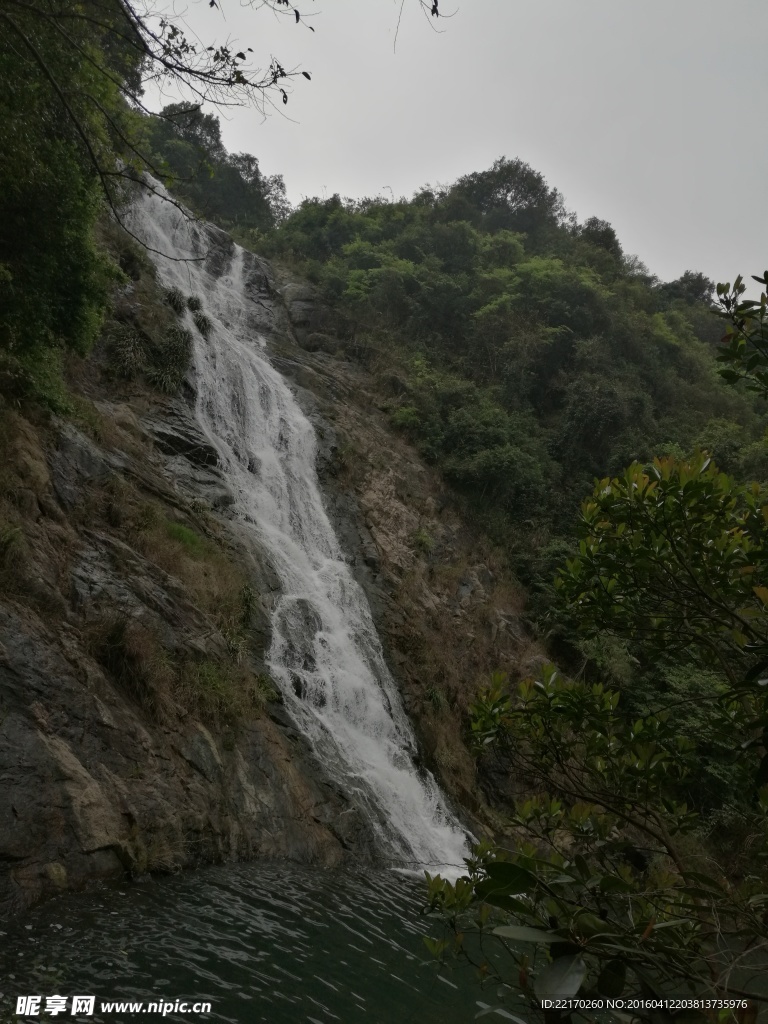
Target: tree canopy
{"type": "Point", "coordinates": [227, 188]}
{"type": "Point", "coordinates": [533, 353]}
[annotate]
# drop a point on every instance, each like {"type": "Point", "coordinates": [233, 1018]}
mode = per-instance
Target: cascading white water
{"type": "Point", "coordinates": [325, 653]}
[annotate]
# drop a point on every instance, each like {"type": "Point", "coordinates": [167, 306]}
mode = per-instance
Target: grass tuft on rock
{"type": "Point", "coordinates": [190, 540]}
{"type": "Point", "coordinates": [133, 656]}
{"type": "Point", "coordinates": [176, 300]}
{"type": "Point", "coordinates": [164, 379]}
{"type": "Point", "coordinates": [128, 355]}
{"type": "Point", "coordinates": [203, 323]}
{"type": "Point", "coordinates": [170, 359]}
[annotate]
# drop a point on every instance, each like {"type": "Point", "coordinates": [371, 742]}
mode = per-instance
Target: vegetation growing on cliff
{"type": "Point", "coordinates": [75, 132]}
{"type": "Point", "coordinates": [524, 354]}
{"type": "Point", "coordinates": [227, 188]}
{"type": "Point", "coordinates": [527, 352]}
{"type": "Point", "coordinates": [640, 868]}
{"type": "Point", "coordinates": [53, 278]}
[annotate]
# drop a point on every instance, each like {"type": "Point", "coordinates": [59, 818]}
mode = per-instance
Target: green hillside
{"type": "Point", "coordinates": [528, 353]}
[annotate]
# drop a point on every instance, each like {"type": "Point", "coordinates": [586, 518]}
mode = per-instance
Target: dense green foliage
{"type": "Point", "coordinates": [74, 136]}
{"type": "Point", "coordinates": [641, 866]}
{"type": "Point", "coordinates": [227, 188]}
{"type": "Point", "coordinates": [615, 886]}
{"type": "Point", "coordinates": [53, 279]}
{"type": "Point", "coordinates": [527, 352]}
{"type": "Point", "coordinates": [674, 558]}
{"type": "Point", "coordinates": [746, 350]}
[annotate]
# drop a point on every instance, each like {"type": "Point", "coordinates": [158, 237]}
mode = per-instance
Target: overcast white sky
{"type": "Point", "coordinates": [647, 113]}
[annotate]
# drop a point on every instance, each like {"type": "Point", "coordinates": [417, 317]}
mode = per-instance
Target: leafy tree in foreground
{"type": "Point", "coordinates": [604, 894]}
{"type": "Point", "coordinates": [610, 889]}
{"type": "Point", "coordinates": [674, 556]}
{"type": "Point", "coordinates": [745, 351]}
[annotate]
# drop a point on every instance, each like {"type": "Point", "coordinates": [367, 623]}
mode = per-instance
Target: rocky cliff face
{"type": "Point", "coordinates": [132, 736]}
{"type": "Point", "coordinates": [446, 607]}
{"type": "Point", "coordinates": [138, 728]}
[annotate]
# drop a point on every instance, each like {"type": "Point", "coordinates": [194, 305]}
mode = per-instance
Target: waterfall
{"type": "Point", "coordinates": [325, 654]}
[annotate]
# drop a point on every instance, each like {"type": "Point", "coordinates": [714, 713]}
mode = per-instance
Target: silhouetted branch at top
{"type": "Point", "coordinates": [164, 50]}
{"type": "Point", "coordinates": [129, 44]}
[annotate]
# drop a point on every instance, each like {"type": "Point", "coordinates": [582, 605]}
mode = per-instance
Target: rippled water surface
{"type": "Point", "coordinates": [261, 943]}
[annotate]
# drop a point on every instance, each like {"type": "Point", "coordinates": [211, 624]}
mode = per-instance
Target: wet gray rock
{"type": "Point", "coordinates": [176, 436]}
{"type": "Point", "coordinates": [76, 462]}
{"type": "Point", "coordinates": [192, 463]}
{"type": "Point", "coordinates": [221, 250]}
{"type": "Point", "coordinates": [91, 789]}
{"type": "Point", "coordinates": [299, 299]}
{"type": "Point", "coordinates": [92, 785]}
{"type": "Point", "coordinates": [316, 341]}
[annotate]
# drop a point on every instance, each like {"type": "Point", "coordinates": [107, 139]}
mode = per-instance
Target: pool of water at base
{"type": "Point", "coordinates": [272, 943]}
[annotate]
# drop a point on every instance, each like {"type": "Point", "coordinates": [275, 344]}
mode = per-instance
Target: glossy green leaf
{"type": "Point", "coordinates": [512, 878]}
{"type": "Point", "coordinates": [561, 979]}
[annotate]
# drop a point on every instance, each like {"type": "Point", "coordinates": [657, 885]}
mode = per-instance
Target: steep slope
{"type": "Point", "coordinates": [140, 730]}
{"type": "Point", "coordinates": [131, 738]}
